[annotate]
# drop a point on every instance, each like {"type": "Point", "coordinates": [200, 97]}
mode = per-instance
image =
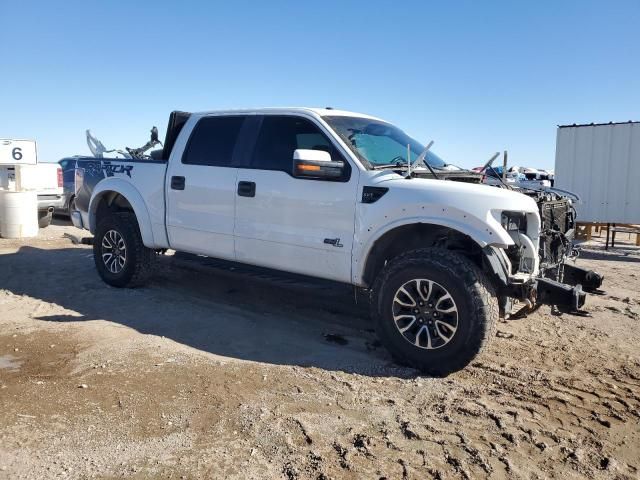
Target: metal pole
{"type": "Point", "coordinates": [504, 166]}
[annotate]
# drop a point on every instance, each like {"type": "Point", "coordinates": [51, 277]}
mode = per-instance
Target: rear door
{"type": "Point", "coordinates": [201, 188]}
{"type": "Point", "coordinates": [298, 225]}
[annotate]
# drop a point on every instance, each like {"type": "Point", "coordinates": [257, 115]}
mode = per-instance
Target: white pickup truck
{"type": "Point", "coordinates": [44, 178]}
{"type": "Point", "coordinates": [330, 194]}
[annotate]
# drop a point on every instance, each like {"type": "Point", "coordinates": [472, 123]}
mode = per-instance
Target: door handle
{"type": "Point", "coordinates": [247, 189]}
{"type": "Point", "coordinates": [177, 183]}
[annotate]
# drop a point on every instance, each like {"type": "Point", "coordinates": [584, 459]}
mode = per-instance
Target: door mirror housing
{"type": "Point", "coordinates": [316, 164]}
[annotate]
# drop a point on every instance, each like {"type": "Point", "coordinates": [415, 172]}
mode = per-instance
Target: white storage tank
{"type": "Point", "coordinates": [18, 214]}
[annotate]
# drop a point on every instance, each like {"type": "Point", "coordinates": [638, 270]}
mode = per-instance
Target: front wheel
{"type": "Point", "coordinates": [434, 310]}
{"type": "Point", "coordinates": [121, 258]}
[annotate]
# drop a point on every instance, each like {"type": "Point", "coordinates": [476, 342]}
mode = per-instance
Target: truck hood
{"type": "Point", "coordinates": [470, 196]}
{"type": "Point", "coordinates": [452, 173]}
{"type": "Point", "coordinates": [474, 209]}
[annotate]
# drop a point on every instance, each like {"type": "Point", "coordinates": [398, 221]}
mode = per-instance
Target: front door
{"type": "Point", "coordinates": [297, 225]}
{"type": "Point", "coordinates": [201, 189]}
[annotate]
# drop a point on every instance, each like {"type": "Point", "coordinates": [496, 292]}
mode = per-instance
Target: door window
{"type": "Point", "coordinates": [213, 140]}
{"type": "Point", "coordinates": [280, 136]}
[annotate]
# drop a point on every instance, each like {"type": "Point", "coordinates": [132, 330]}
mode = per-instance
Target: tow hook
{"type": "Point", "coordinates": [590, 280]}
{"type": "Point", "coordinates": [565, 297]}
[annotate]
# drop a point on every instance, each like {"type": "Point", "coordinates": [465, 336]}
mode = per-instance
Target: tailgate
{"type": "Point", "coordinates": [45, 178]}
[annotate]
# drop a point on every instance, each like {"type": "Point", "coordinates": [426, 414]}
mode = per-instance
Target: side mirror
{"type": "Point", "coordinates": [316, 164]}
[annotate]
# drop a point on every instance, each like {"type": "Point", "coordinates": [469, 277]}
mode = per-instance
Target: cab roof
{"type": "Point", "coordinates": [321, 112]}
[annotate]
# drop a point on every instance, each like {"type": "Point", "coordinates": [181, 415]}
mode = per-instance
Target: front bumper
{"type": "Point", "coordinates": [565, 297]}
{"type": "Point", "coordinates": [536, 289]}
{"type": "Point", "coordinates": [543, 291]}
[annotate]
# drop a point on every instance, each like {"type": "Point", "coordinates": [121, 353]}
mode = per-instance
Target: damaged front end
{"type": "Point", "coordinates": [557, 235]}
{"type": "Point", "coordinates": [531, 280]}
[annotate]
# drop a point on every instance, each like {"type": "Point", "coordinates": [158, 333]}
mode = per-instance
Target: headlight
{"type": "Point", "coordinates": [514, 221]}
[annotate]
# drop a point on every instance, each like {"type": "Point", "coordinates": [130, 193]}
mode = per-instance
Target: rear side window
{"type": "Point", "coordinates": [279, 137]}
{"type": "Point", "coordinates": [212, 141]}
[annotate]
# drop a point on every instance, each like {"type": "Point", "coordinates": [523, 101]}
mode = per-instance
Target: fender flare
{"type": "Point", "coordinates": [483, 239]}
{"type": "Point", "coordinates": [131, 194]}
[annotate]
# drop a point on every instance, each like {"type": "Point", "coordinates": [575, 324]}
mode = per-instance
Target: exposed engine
{"type": "Point", "coordinates": [557, 228]}
{"type": "Point", "coordinates": [557, 234]}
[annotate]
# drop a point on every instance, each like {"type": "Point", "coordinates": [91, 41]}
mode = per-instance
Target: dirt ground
{"type": "Point", "coordinates": [215, 371]}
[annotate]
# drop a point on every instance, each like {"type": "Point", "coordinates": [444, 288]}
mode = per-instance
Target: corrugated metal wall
{"type": "Point", "coordinates": [601, 163]}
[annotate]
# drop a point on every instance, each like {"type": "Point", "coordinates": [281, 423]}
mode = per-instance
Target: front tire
{"type": "Point", "coordinates": [121, 258]}
{"type": "Point", "coordinates": [434, 310]}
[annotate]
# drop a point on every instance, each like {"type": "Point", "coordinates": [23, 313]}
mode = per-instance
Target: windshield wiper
{"type": "Point", "coordinates": [396, 166]}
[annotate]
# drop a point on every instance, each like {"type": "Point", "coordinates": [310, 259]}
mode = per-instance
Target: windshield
{"type": "Point", "coordinates": [379, 143]}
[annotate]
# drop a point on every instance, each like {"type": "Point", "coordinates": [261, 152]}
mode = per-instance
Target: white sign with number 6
{"type": "Point", "coordinates": [18, 152]}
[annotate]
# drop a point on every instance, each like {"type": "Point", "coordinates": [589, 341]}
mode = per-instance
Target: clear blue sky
{"type": "Point", "coordinates": [477, 77]}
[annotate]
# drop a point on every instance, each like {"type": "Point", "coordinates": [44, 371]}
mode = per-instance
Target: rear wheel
{"type": "Point", "coordinates": [121, 258]}
{"type": "Point", "coordinates": [434, 310]}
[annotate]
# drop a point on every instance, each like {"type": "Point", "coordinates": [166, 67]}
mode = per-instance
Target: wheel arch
{"type": "Point", "coordinates": [411, 236]}
{"type": "Point", "coordinates": [115, 197]}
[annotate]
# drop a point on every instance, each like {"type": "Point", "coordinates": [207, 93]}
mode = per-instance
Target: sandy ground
{"type": "Point", "coordinates": [221, 372]}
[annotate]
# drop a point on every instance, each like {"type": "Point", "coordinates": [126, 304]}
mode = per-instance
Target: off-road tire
{"type": "Point", "coordinates": [472, 292]}
{"type": "Point", "coordinates": [139, 261]}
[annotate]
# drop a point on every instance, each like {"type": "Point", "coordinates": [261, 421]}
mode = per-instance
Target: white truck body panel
{"type": "Point", "coordinates": [284, 226]}
{"type": "Point", "coordinates": [141, 183]}
{"type": "Point", "coordinates": [601, 163]}
{"type": "Point", "coordinates": [197, 225]}
{"type": "Point", "coordinates": [200, 218]}
{"type": "Point", "coordinates": [467, 208]}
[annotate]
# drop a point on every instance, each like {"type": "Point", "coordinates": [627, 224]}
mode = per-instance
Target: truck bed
{"type": "Point", "coordinates": [143, 180]}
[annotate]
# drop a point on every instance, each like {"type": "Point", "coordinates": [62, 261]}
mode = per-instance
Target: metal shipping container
{"type": "Point", "coordinates": [601, 163]}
